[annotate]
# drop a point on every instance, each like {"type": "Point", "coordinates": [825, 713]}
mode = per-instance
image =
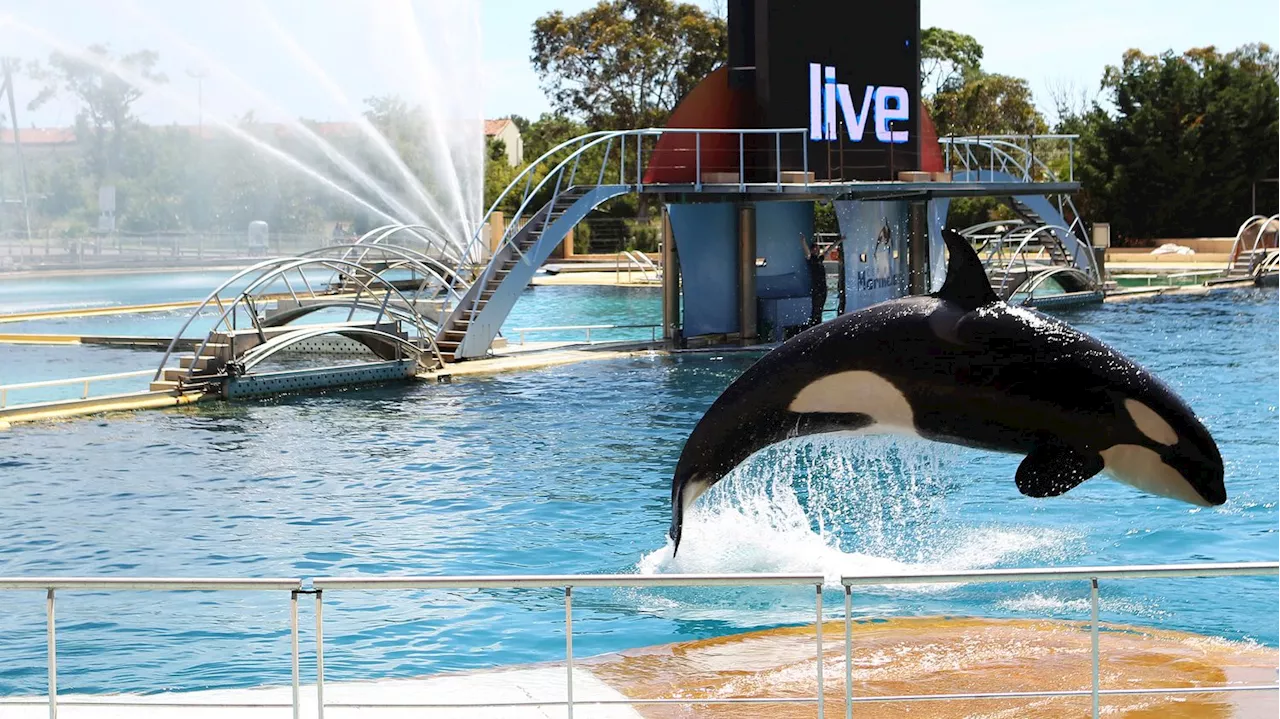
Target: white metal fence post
{"type": "Point", "coordinates": [53, 656]}
{"type": "Point", "coordinates": [568, 649]}
{"type": "Point", "coordinates": [293, 649]}
{"type": "Point", "coordinates": [848, 651]}
{"type": "Point", "coordinates": [319, 654]}
{"type": "Point", "coordinates": [821, 692]}
{"type": "Point", "coordinates": [1093, 612]}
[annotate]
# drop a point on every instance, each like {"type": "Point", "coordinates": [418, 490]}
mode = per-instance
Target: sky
{"type": "Point", "coordinates": [320, 58]}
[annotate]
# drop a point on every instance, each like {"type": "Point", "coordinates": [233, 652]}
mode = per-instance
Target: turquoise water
{"type": "Point", "coordinates": [566, 470]}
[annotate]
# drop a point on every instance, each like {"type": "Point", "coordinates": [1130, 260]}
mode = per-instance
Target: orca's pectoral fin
{"type": "Point", "coordinates": [1053, 469]}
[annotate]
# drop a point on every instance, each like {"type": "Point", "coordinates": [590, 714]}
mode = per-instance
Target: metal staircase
{"type": "Point", "coordinates": [454, 329]}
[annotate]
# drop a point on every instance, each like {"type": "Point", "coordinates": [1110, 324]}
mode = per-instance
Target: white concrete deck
{"type": "Point", "coordinates": [502, 686]}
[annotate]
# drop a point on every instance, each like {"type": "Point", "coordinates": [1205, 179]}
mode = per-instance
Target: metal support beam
{"type": "Point", "coordinates": [747, 272]}
{"type": "Point", "coordinates": [918, 249]}
{"type": "Point", "coordinates": [670, 280]}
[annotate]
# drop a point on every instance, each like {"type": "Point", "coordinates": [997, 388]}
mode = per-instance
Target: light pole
{"type": "Point", "coordinates": [199, 74]}
{"type": "Point", "coordinates": [1253, 195]}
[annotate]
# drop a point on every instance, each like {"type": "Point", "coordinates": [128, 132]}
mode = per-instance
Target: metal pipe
{"type": "Point", "coordinates": [319, 653]}
{"type": "Point", "coordinates": [568, 648]}
{"type": "Point", "coordinates": [848, 652]}
{"type": "Point", "coordinates": [148, 583]}
{"type": "Point", "coordinates": [1093, 619]}
{"type": "Point", "coordinates": [777, 142]}
{"type": "Point", "coordinates": [804, 143]}
{"type": "Point", "coordinates": [550, 581]}
{"type": "Point", "coordinates": [818, 641]}
{"type": "Point", "coordinates": [742, 177]}
{"type": "Point", "coordinates": [293, 648]}
{"type": "Point", "coordinates": [52, 655]}
{"type": "Point", "coordinates": [1050, 574]}
{"type": "Point", "coordinates": [697, 161]}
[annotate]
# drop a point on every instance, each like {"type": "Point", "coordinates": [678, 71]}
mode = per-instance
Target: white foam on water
{"type": "Point", "coordinates": [844, 506]}
{"type": "Point", "coordinates": [1041, 604]}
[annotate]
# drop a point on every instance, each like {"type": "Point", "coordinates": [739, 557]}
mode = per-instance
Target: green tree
{"type": "Point", "coordinates": [626, 63]}
{"type": "Point", "coordinates": [947, 57]}
{"type": "Point", "coordinates": [1189, 134]}
{"type": "Point", "coordinates": [100, 83]}
{"type": "Point", "coordinates": [986, 104]}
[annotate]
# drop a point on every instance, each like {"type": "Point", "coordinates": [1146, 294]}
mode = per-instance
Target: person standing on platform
{"type": "Point", "coordinates": [813, 255]}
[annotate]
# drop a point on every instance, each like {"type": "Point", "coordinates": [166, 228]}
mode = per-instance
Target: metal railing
{"type": "Point", "coordinates": [1014, 154]}
{"type": "Point", "coordinates": [649, 272]}
{"type": "Point", "coordinates": [1049, 574]}
{"type": "Point", "coordinates": [609, 158]}
{"type": "Point", "coordinates": [5, 389]}
{"type": "Point", "coordinates": [568, 583]}
{"type": "Point", "coordinates": [51, 585]}
{"type": "Point", "coordinates": [1238, 251]}
{"type": "Point", "coordinates": [521, 331]}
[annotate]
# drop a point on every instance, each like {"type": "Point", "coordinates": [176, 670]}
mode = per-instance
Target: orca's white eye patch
{"type": "Point", "coordinates": [1151, 424]}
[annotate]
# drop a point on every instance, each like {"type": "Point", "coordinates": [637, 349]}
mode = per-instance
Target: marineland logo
{"type": "Point", "coordinates": [825, 95]}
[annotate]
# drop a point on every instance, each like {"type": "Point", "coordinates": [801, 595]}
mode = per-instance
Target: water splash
{"type": "Point", "coordinates": [295, 125]}
{"type": "Point", "coordinates": [842, 506]}
{"type": "Point", "coordinates": [144, 84]}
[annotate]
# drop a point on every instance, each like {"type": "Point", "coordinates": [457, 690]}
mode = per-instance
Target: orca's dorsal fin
{"type": "Point", "coordinates": [966, 284]}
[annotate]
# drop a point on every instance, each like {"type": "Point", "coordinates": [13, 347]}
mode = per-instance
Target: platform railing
{"type": "Point", "coordinates": [522, 331]}
{"type": "Point", "coordinates": [568, 583]}
{"type": "Point", "coordinates": [85, 383]}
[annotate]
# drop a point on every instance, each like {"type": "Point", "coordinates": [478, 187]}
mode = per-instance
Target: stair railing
{"type": "Point", "coordinates": [1020, 252]}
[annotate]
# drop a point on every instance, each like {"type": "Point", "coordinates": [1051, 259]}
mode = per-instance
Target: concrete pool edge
{"type": "Point", "coordinates": [511, 362]}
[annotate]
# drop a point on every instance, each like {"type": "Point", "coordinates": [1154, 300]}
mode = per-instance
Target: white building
{"type": "Point", "coordinates": [506, 131]}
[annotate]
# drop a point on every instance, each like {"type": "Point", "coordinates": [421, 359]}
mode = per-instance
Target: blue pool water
{"type": "Point", "coordinates": [567, 470]}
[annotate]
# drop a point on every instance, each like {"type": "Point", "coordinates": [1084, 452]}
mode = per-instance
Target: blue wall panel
{"type": "Point", "coordinates": [706, 237]}
{"type": "Point", "coordinates": [778, 229]}
{"type": "Point", "coordinates": [875, 250]}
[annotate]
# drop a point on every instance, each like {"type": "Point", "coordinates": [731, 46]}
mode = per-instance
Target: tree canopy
{"type": "Point", "coordinates": [625, 63]}
{"type": "Point", "coordinates": [1189, 135]}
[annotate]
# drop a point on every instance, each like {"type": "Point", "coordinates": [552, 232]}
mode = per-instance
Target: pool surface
{"type": "Point", "coordinates": [567, 470]}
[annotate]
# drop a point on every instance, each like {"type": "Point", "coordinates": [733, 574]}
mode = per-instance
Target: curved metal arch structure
{"type": "Point", "coordinates": [426, 235]}
{"type": "Point", "coordinates": [1257, 249]}
{"type": "Point", "coordinates": [267, 273]}
{"type": "Point", "coordinates": [1027, 289]}
{"type": "Point", "coordinates": [428, 266]}
{"type": "Point", "coordinates": [265, 351]}
{"type": "Point", "coordinates": [1058, 233]}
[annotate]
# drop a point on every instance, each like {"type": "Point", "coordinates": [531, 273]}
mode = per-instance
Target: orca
{"type": "Point", "coordinates": [962, 367]}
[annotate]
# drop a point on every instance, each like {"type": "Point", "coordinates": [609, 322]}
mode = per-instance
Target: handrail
{"type": "Point", "coordinates": [1257, 238]}
{"type": "Point", "coordinates": [639, 259]}
{"type": "Point", "coordinates": [173, 584]}
{"type": "Point", "coordinates": [559, 581]}
{"type": "Point", "coordinates": [6, 388]}
{"type": "Point", "coordinates": [569, 582]}
{"type": "Point", "coordinates": [569, 328]}
{"type": "Point", "coordinates": [1052, 230]}
{"type": "Point", "coordinates": [583, 144]}
{"type": "Point", "coordinates": [1234, 256]}
{"type": "Point", "coordinates": [1060, 574]}
{"type": "Point", "coordinates": [1018, 253]}
{"type": "Point", "coordinates": [1040, 279]}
